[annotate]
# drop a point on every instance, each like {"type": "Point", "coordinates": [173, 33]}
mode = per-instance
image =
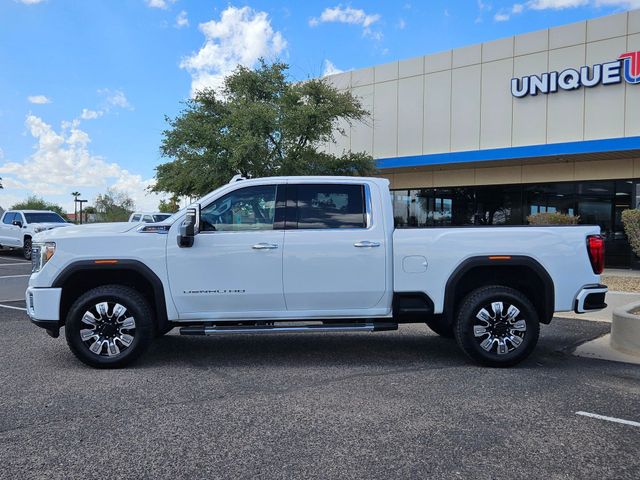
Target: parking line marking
{"type": "Point", "coordinates": [13, 260]}
{"type": "Point", "coordinates": [11, 307]}
{"type": "Point", "coordinates": [609, 419]}
{"type": "Point", "coordinates": [13, 264]}
{"type": "Point", "coordinates": [15, 276]}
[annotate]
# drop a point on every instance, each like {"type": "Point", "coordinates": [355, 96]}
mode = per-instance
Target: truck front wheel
{"type": "Point", "coordinates": [497, 326]}
{"type": "Point", "coordinates": [109, 326]}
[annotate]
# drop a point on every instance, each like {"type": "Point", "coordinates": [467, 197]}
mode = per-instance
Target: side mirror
{"type": "Point", "coordinates": [190, 227]}
{"type": "Point", "coordinates": [17, 223]}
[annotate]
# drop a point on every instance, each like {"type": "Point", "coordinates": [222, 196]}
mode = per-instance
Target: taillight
{"type": "Point", "coordinates": [595, 247]}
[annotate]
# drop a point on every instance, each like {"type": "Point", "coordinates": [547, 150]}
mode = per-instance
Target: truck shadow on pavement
{"type": "Point", "coordinates": [412, 346]}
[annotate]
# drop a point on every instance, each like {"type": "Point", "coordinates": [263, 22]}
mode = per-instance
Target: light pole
{"type": "Point", "coordinates": [75, 205]}
{"type": "Point", "coordinates": [80, 202]}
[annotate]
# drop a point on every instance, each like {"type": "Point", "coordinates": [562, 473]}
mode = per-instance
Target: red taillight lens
{"type": "Point", "coordinates": [595, 247]}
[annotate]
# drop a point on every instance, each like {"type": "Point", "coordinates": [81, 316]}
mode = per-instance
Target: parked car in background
{"type": "Point", "coordinates": [149, 217]}
{"type": "Point", "coordinates": [18, 227]}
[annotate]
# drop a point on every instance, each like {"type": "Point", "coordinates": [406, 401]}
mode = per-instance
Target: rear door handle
{"type": "Point", "coordinates": [265, 246]}
{"type": "Point", "coordinates": [366, 244]}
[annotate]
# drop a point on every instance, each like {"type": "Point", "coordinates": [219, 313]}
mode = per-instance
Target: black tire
{"type": "Point", "coordinates": [439, 327]}
{"type": "Point", "coordinates": [131, 341]}
{"type": "Point", "coordinates": [27, 248]}
{"type": "Point", "coordinates": [497, 330]}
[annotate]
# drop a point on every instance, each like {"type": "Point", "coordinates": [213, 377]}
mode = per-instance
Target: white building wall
{"type": "Point", "coordinates": [460, 100]}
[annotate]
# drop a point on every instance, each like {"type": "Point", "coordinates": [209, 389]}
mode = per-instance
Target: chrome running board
{"type": "Point", "coordinates": [234, 329]}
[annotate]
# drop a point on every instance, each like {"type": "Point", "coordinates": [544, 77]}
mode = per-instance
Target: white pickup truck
{"type": "Point", "coordinates": [316, 254]}
{"type": "Point", "coordinates": [18, 227]}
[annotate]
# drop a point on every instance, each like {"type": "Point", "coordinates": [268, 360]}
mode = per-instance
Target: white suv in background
{"type": "Point", "coordinates": [18, 227]}
{"type": "Point", "coordinates": [149, 217]}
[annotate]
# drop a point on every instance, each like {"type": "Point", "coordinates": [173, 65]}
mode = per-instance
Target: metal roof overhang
{"type": "Point", "coordinates": [611, 148]}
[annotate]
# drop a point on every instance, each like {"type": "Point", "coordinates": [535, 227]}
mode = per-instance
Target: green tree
{"type": "Point", "coordinates": [169, 206]}
{"type": "Point", "coordinates": [36, 203]}
{"type": "Point", "coordinates": [113, 206]}
{"type": "Point", "coordinates": [261, 125]}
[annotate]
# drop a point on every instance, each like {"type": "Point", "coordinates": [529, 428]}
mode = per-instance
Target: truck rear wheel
{"type": "Point", "coordinates": [109, 326]}
{"type": "Point", "coordinates": [26, 248]}
{"type": "Point", "coordinates": [497, 326]}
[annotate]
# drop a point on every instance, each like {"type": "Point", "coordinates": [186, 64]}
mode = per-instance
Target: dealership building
{"type": "Point", "coordinates": [547, 121]}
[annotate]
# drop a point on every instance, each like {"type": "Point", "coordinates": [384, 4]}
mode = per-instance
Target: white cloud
{"type": "Point", "coordinates": [88, 114]}
{"type": "Point", "coordinates": [240, 37]}
{"type": "Point", "coordinates": [163, 4]}
{"type": "Point", "coordinates": [38, 99]}
{"type": "Point", "coordinates": [182, 20]}
{"type": "Point", "coordinates": [62, 162]}
{"type": "Point", "coordinates": [517, 8]}
{"type": "Point", "coordinates": [556, 4]}
{"type": "Point", "coordinates": [351, 16]}
{"type": "Point", "coordinates": [115, 98]}
{"type": "Point", "coordinates": [330, 69]}
{"type": "Point", "coordinates": [30, 2]}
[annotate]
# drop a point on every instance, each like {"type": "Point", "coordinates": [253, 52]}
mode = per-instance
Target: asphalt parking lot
{"type": "Point", "coordinates": [403, 404]}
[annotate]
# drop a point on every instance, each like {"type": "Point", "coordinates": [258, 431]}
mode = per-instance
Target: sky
{"type": "Point", "coordinates": [85, 86]}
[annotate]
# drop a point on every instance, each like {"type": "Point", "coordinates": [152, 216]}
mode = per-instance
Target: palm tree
{"type": "Point", "coordinates": [75, 196]}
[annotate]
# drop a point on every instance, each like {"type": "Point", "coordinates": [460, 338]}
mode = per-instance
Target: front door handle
{"type": "Point", "coordinates": [366, 244]}
{"type": "Point", "coordinates": [265, 246]}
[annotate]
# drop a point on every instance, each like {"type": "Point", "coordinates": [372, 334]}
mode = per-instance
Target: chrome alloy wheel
{"type": "Point", "coordinates": [111, 330]}
{"type": "Point", "coordinates": [499, 331]}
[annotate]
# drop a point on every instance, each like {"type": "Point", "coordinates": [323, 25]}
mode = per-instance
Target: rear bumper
{"type": "Point", "coordinates": [590, 297]}
{"type": "Point", "coordinates": [43, 306]}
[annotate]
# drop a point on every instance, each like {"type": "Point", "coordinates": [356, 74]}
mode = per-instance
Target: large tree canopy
{"type": "Point", "coordinates": [261, 124]}
{"type": "Point", "coordinates": [36, 203]}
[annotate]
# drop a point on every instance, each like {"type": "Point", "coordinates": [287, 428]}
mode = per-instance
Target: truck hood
{"type": "Point", "coordinates": [50, 225]}
{"type": "Point", "coordinates": [90, 230]}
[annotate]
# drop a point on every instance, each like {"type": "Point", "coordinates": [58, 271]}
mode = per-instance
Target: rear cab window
{"type": "Point", "coordinates": [327, 206]}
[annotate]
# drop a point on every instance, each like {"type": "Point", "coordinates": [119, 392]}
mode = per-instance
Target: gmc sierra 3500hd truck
{"type": "Point", "coordinates": [317, 254]}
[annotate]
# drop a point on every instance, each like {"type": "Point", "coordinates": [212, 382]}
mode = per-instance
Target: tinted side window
{"type": "Point", "coordinates": [8, 218]}
{"type": "Point", "coordinates": [250, 208]}
{"type": "Point", "coordinates": [331, 206]}
{"type": "Point", "coordinates": [147, 219]}
{"type": "Point", "coordinates": [135, 218]}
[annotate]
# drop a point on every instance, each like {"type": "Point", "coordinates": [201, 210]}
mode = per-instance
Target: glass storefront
{"type": "Point", "coordinates": [596, 202]}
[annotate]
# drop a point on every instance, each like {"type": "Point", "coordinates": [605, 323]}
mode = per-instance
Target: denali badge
{"type": "Point", "coordinates": [627, 66]}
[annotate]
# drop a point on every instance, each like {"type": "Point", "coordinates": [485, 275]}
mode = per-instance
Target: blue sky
{"type": "Point", "coordinates": [85, 85]}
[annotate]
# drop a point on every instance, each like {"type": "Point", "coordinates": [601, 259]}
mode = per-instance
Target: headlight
{"type": "Point", "coordinates": [38, 229]}
{"type": "Point", "coordinates": [41, 253]}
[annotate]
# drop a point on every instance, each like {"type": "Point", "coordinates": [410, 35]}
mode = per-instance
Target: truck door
{"type": "Point", "coordinates": [10, 233]}
{"type": "Point", "coordinates": [234, 268]}
{"type": "Point", "coordinates": [334, 252]}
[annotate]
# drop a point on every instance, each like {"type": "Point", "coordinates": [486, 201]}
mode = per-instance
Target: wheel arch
{"type": "Point", "coordinates": [520, 272]}
{"type": "Point", "coordinates": [81, 276]}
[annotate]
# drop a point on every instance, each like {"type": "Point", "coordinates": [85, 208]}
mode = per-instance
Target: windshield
{"type": "Point", "coordinates": [43, 217]}
{"type": "Point", "coordinates": [159, 217]}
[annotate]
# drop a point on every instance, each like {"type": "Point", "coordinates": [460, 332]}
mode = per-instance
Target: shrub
{"type": "Point", "coordinates": [552, 218]}
{"type": "Point", "coordinates": [631, 222]}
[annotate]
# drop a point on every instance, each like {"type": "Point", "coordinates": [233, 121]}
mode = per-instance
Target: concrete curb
{"type": "Point", "coordinates": [625, 330]}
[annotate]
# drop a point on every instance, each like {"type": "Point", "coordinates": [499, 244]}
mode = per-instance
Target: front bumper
{"type": "Point", "coordinates": [43, 307]}
{"type": "Point", "coordinates": [590, 297]}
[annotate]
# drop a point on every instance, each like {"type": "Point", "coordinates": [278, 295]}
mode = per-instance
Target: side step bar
{"type": "Point", "coordinates": [346, 327]}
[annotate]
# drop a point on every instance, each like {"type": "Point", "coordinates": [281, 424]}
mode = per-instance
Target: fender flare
{"type": "Point", "coordinates": [160, 305]}
{"type": "Point", "coordinates": [504, 260]}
